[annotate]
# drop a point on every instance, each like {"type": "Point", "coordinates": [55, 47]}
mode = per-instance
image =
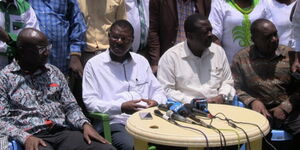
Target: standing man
{"type": "Point", "coordinates": [36, 106]}
{"type": "Point", "coordinates": [119, 83]}
{"type": "Point", "coordinates": [15, 15]}
{"type": "Point", "coordinates": [99, 16]}
{"type": "Point", "coordinates": [196, 68]}
{"type": "Point", "coordinates": [263, 80]}
{"type": "Point", "coordinates": [166, 24]}
{"type": "Point", "coordinates": [138, 16]}
{"type": "Point", "coordinates": [296, 38]}
{"type": "Point", "coordinates": [64, 26]}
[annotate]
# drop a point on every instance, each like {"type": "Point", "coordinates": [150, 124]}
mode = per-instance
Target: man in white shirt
{"type": "Point", "coordinates": [196, 67]}
{"type": "Point", "coordinates": [119, 83]}
{"type": "Point", "coordinates": [296, 37]}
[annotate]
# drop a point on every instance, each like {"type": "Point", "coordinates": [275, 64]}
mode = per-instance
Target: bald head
{"type": "Point", "coordinates": [30, 37]}
{"type": "Point", "coordinates": [32, 49]}
{"type": "Point", "coordinates": [261, 25]}
{"type": "Point", "coordinates": [264, 36]}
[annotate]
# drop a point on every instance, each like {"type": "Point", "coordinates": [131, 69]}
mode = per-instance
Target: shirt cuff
{"type": "Point", "coordinates": [75, 48]}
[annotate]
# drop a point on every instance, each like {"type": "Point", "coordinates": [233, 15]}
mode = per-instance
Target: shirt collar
{"type": "Point", "coordinates": [16, 68]}
{"type": "Point", "coordinates": [280, 52]}
{"type": "Point", "coordinates": [187, 53]}
{"type": "Point", "coordinates": [107, 58]}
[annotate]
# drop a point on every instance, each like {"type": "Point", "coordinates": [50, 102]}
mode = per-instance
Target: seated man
{"type": "Point", "coordinates": [119, 83]}
{"type": "Point", "coordinates": [263, 80]}
{"type": "Point", "coordinates": [36, 106]}
{"type": "Point", "coordinates": [196, 67]}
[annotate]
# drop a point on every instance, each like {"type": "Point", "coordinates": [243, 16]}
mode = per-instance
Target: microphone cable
{"type": "Point", "coordinates": [234, 131]}
{"type": "Point", "coordinates": [262, 133]}
{"type": "Point", "coordinates": [233, 126]}
{"type": "Point", "coordinates": [182, 126]}
{"type": "Point", "coordinates": [201, 123]}
{"type": "Point", "coordinates": [159, 114]}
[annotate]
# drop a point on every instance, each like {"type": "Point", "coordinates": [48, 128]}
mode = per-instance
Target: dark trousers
{"type": "Point", "coordinates": [64, 139]}
{"type": "Point", "coordinates": [121, 139]}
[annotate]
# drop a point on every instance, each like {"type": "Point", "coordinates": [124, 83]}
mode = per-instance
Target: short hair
{"type": "Point", "coordinates": [255, 25]}
{"type": "Point", "coordinates": [123, 24]}
{"type": "Point", "coordinates": [190, 23]}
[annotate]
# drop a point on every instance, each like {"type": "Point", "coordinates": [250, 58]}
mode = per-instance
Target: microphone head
{"type": "Point", "coordinates": [158, 113]}
{"type": "Point", "coordinates": [175, 116]}
{"type": "Point", "coordinates": [163, 107]}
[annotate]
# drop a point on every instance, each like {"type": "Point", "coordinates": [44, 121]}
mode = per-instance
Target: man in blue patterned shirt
{"type": "Point", "coordinates": [36, 106]}
{"type": "Point", "coordinates": [63, 24]}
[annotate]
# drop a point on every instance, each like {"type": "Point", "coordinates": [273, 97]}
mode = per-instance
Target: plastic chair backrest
{"type": "Point", "coordinates": [14, 145]}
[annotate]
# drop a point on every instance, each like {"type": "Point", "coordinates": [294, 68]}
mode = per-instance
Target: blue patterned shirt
{"type": "Point", "coordinates": [29, 102]}
{"type": "Point", "coordinates": [63, 23]}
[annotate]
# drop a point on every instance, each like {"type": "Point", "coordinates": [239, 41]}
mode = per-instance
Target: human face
{"type": "Point", "coordinates": [200, 39]}
{"type": "Point", "coordinates": [120, 41]}
{"type": "Point", "coordinates": [266, 39]}
{"type": "Point", "coordinates": [35, 57]}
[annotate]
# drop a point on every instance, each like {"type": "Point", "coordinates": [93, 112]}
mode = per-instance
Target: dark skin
{"type": "Point", "coordinates": [198, 41]}
{"type": "Point", "coordinates": [266, 42]}
{"type": "Point", "coordinates": [120, 41]}
{"type": "Point", "coordinates": [34, 55]}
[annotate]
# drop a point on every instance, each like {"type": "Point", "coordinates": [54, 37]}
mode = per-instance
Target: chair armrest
{"type": "Point", "coordinates": [105, 123]}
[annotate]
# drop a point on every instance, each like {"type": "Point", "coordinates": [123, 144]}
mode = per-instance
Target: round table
{"type": "Point", "coordinates": [160, 131]}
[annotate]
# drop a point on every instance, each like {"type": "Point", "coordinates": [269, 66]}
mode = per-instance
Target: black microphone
{"type": "Point", "coordinates": [163, 107]}
{"type": "Point", "coordinates": [177, 117]}
{"type": "Point", "coordinates": [161, 115]}
{"type": "Point", "coordinates": [199, 122]}
{"type": "Point", "coordinates": [195, 111]}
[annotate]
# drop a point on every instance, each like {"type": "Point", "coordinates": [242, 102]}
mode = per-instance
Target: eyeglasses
{"type": "Point", "coordinates": [43, 49]}
{"type": "Point", "coordinates": [118, 37]}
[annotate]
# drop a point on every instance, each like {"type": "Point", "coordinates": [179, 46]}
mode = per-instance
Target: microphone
{"type": "Point", "coordinates": [200, 103]}
{"type": "Point", "coordinates": [161, 115]}
{"type": "Point", "coordinates": [163, 107]}
{"type": "Point", "coordinates": [190, 108]}
{"type": "Point", "coordinates": [177, 117]}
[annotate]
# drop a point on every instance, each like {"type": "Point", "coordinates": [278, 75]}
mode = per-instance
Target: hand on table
{"type": "Point", "coordinates": [217, 99]}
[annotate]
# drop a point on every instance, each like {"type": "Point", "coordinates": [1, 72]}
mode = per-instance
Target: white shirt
{"type": "Point", "coordinates": [224, 18]}
{"type": "Point", "coordinates": [280, 16]}
{"type": "Point", "coordinates": [107, 84]}
{"type": "Point", "coordinates": [296, 27]}
{"type": "Point", "coordinates": [134, 19]}
{"type": "Point", "coordinates": [185, 76]}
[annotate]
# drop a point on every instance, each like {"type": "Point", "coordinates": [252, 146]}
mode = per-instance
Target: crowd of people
{"type": "Point", "coordinates": [62, 59]}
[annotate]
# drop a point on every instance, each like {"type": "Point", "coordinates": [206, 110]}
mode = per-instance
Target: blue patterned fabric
{"type": "Point", "coordinates": [63, 23]}
{"type": "Point", "coordinates": [31, 103]}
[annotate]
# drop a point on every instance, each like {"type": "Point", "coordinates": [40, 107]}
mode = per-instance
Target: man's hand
{"type": "Point", "coordinates": [150, 102]}
{"type": "Point", "coordinates": [217, 99]}
{"type": "Point", "coordinates": [3, 36]}
{"type": "Point", "coordinates": [278, 113]}
{"type": "Point", "coordinates": [154, 68]}
{"type": "Point", "coordinates": [296, 64]}
{"type": "Point", "coordinates": [258, 106]}
{"type": "Point", "coordinates": [131, 107]}
{"type": "Point", "coordinates": [32, 143]}
{"type": "Point", "coordinates": [90, 133]}
{"type": "Point", "coordinates": [76, 65]}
